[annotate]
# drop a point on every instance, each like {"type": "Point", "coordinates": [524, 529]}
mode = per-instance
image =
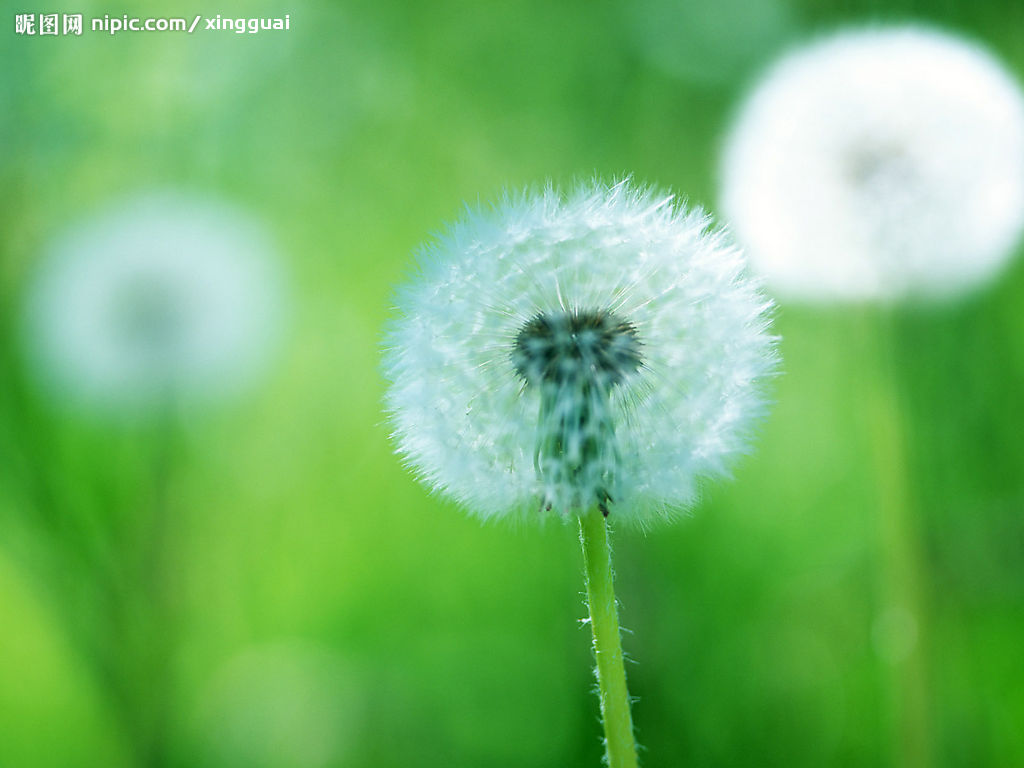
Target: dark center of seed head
{"type": "Point", "coordinates": [577, 346]}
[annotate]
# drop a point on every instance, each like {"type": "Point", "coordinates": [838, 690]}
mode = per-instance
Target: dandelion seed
{"type": "Point", "coordinates": [878, 163]}
{"type": "Point", "coordinates": [554, 354]}
{"type": "Point", "coordinates": [165, 298]}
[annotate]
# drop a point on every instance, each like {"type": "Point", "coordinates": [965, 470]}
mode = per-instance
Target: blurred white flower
{"type": "Point", "coordinates": [878, 163]}
{"type": "Point", "coordinates": [165, 298]}
{"type": "Point", "coordinates": [554, 354]}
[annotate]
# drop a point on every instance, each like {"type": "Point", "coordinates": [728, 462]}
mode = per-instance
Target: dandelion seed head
{"type": "Point", "coordinates": [878, 163]}
{"type": "Point", "coordinates": [558, 352]}
{"type": "Point", "coordinates": [166, 297]}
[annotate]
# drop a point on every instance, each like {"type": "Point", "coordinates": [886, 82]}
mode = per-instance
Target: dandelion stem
{"type": "Point", "coordinates": [903, 605]}
{"type": "Point", "coordinates": [620, 745]}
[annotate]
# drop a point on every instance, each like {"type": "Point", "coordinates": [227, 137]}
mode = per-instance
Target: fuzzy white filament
{"type": "Point", "coordinates": [167, 297]}
{"type": "Point", "coordinates": [878, 163]}
{"type": "Point", "coordinates": [558, 353]}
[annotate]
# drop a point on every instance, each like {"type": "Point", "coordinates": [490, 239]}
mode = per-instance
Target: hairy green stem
{"type": "Point", "coordinates": [620, 745]}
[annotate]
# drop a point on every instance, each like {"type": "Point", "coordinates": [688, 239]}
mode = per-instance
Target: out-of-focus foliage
{"type": "Point", "coordinates": [261, 583]}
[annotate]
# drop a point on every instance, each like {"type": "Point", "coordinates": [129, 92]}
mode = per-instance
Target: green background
{"type": "Point", "coordinates": [305, 603]}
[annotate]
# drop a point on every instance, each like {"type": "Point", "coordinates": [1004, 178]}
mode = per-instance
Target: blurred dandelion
{"type": "Point", "coordinates": [878, 163]}
{"type": "Point", "coordinates": [165, 298]}
{"type": "Point", "coordinates": [595, 356]}
{"type": "Point", "coordinates": [882, 164]}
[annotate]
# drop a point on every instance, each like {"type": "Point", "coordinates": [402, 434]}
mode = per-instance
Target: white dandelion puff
{"type": "Point", "coordinates": [878, 163]}
{"type": "Point", "coordinates": [164, 299]}
{"type": "Point", "coordinates": [604, 349]}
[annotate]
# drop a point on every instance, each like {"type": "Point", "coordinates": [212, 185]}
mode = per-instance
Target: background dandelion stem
{"type": "Point", "coordinates": [604, 622]}
{"type": "Point", "coordinates": [135, 638]}
{"type": "Point", "coordinates": [900, 624]}
{"type": "Point", "coordinates": [155, 568]}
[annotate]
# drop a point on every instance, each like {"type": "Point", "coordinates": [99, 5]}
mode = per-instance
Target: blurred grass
{"type": "Point", "coordinates": [353, 137]}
